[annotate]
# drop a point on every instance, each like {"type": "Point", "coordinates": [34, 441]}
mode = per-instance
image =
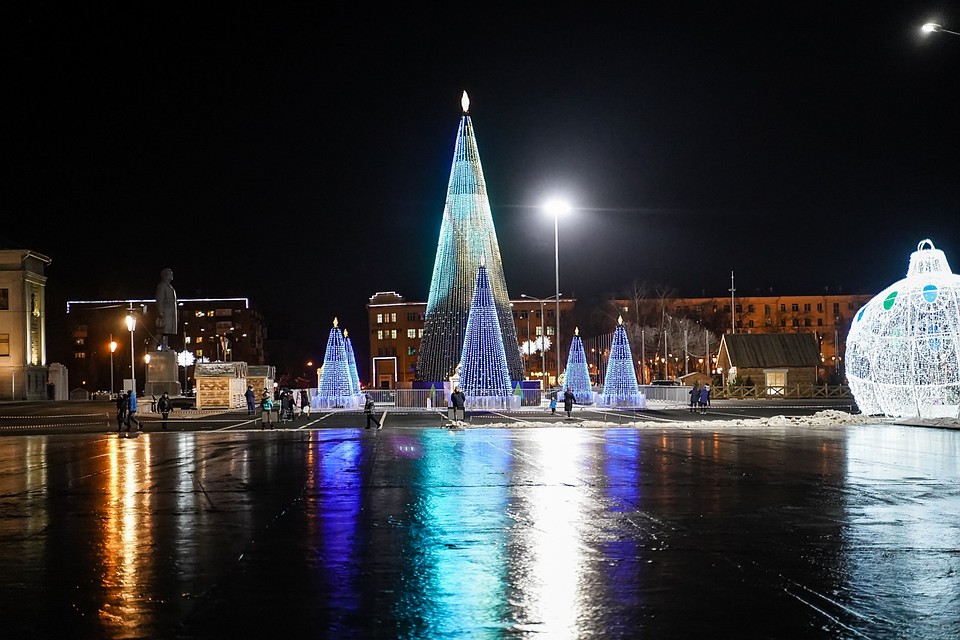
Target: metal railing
{"type": "Point", "coordinates": [793, 391]}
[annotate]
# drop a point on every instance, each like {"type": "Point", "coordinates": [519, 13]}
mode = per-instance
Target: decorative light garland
{"type": "Point", "coordinates": [466, 234]}
{"type": "Point", "coordinates": [903, 350]}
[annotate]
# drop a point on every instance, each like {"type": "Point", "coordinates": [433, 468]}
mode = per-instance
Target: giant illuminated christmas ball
{"type": "Point", "coordinates": [902, 350]}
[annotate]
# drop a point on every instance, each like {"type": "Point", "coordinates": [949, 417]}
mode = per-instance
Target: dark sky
{"type": "Point", "coordinates": [300, 157]}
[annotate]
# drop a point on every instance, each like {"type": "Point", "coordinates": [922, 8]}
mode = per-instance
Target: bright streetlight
{"type": "Point", "coordinates": [933, 27]}
{"type": "Point", "coordinates": [557, 208]}
{"type": "Point", "coordinates": [543, 334]}
{"type": "Point", "coordinates": [131, 321]}
{"type": "Point", "coordinates": [113, 347]}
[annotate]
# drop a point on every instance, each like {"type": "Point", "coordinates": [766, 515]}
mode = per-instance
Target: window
{"type": "Point", "coordinates": [849, 306]}
{"type": "Point", "coordinates": [783, 307]}
{"type": "Point", "coordinates": [393, 317]}
{"type": "Point", "coordinates": [411, 333]}
{"type": "Point", "coordinates": [379, 334]}
{"type": "Point", "coordinates": [819, 322]}
{"type": "Point", "coordinates": [751, 323]}
{"type": "Point", "coordinates": [198, 314]}
{"type": "Point", "coordinates": [379, 318]}
{"type": "Point", "coordinates": [796, 322]}
{"type": "Point", "coordinates": [739, 308]}
{"type": "Point", "coordinates": [523, 315]}
{"type": "Point", "coordinates": [199, 338]}
{"type": "Point", "coordinates": [5, 301]}
{"type": "Point", "coordinates": [783, 322]}
{"type": "Point", "coordinates": [750, 308]}
{"type": "Point", "coordinates": [550, 330]}
{"type": "Point", "coordinates": [794, 307]}
{"type": "Point", "coordinates": [819, 306]}
{"type": "Point", "coordinates": [726, 308]}
{"type": "Point", "coordinates": [411, 317]}
{"type": "Point", "coordinates": [393, 333]}
{"type": "Point", "coordinates": [539, 330]}
{"type": "Point", "coordinates": [836, 307]}
{"type": "Point", "coordinates": [78, 355]}
{"type": "Point", "coordinates": [806, 306]}
{"type": "Point", "coordinates": [766, 309]}
{"type": "Point", "coordinates": [419, 333]}
{"type": "Point", "coordinates": [806, 322]}
{"type": "Point", "coordinates": [199, 353]}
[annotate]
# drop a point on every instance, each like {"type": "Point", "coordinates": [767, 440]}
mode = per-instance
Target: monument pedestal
{"type": "Point", "coordinates": [162, 374]}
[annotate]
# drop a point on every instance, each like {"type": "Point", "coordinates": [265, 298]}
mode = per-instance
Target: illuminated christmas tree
{"type": "Point", "coordinates": [620, 386]}
{"type": "Point", "coordinates": [336, 388]}
{"type": "Point", "coordinates": [351, 363]}
{"type": "Point", "coordinates": [577, 373]}
{"type": "Point", "coordinates": [466, 234]}
{"type": "Point", "coordinates": [483, 360]}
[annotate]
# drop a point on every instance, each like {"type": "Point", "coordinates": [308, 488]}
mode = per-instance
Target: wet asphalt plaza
{"type": "Point", "coordinates": [680, 531]}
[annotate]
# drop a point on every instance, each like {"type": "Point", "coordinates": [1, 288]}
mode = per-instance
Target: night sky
{"type": "Point", "coordinates": [300, 157]}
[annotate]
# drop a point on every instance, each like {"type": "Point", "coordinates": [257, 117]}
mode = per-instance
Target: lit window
{"type": "Point", "coordinates": [411, 333]}
{"type": "Point", "coordinates": [393, 317]}
{"type": "Point", "coordinates": [419, 333]}
{"type": "Point", "coordinates": [380, 334]}
{"type": "Point", "coordinates": [379, 318]}
{"type": "Point", "coordinates": [199, 339]}
{"type": "Point", "coordinates": [393, 333]}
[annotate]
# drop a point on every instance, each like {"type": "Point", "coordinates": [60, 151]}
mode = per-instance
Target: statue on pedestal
{"type": "Point", "coordinates": [166, 310]}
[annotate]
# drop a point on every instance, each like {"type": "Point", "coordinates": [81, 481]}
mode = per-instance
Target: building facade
{"type": "Point", "coordinates": [211, 330]}
{"type": "Point", "coordinates": [23, 339]}
{"type": "Point", "coordinates": [397, 326]}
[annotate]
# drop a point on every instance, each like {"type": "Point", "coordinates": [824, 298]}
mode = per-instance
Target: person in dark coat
{"type": "Point", "coordinates": [368, 407]}
{"type": "Point", "coordinates": [694, 396]}
{"type": "Point", "coordinates": [121, 411]}
{"type": "Point", "coordinates": [251, 400]}
{"type": "Point", "coordinates": [458, 401]}
{"type": "Point", "coordinates": [704, 398]}
{"type": "Point", "coordinates": [164, 406]}
{"type": "Point", "coordinates": [304, 403]}
{"type": "Point", "coordinates": [568, 402]}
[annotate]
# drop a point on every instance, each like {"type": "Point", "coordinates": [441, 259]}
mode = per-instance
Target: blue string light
{"type": "Point", "coordinates": [483, 360]}
{"type": "Point", "coordinates": [577, 373]}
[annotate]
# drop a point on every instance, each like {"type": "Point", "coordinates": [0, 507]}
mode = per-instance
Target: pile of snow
{"type": "Point", "coordinates": [826, 418]}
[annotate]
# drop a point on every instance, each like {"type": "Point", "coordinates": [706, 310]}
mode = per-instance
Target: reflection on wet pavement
{"type": "Point", "coordinates": [825, 532]}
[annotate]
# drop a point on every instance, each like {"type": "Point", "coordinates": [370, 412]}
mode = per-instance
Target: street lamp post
{"type": "Point", "coordinates": [543, 334]}
{"type": "Point", "coordinates": [557, 208]}
{"type": "Point", "coordinates": [113, 347]}
{"type": "Point", "coordinates": [131, 321]}
{"type": "Point", "coordinates": [933, 27]}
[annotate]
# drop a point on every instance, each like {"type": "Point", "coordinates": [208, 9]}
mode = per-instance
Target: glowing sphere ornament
{"type": "Point", "coordinates": [902, 350]}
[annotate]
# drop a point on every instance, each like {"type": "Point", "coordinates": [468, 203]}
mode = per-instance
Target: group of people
{"type": "Point", "coordinates": [284, 402]}
{"type": "Point", "coordinates": [699, 397]}
{"type": "Point", "coordinates": [127, 410]}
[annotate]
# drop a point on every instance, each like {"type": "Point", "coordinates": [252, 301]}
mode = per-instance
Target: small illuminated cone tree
{"type": "Point", "coordinates": [336, 389]}
{"type": "Point", "coordinates": [577, 373]}
{"type": "Point", "coordinates": [351, 363]}
{"type": "Point", "coordinates": [483, 361]}
{"type": "Point", "coordinates": [620, 387]}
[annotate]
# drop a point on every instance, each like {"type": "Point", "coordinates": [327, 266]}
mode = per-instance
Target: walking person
{"type": "Point", "coordinates": [304, 403]}
{"type": "Point", "coordinates": [266, 410]}
{"type": "Point", "coordinates": [458, 401]}
{"type": "Point", "coordinates": [121, 411]}
{"type": "Point", "coordinates": [164, 405]}
{"type": "Point", "coordinates": [132, 411]}
{"type": "Point", "coordinates": [568, 402]}
{"type": "Point", "coordinates": [704, 398]}
{"type": "Point", "coordinates": [694, 396]}
{"type": "Point", "coordinates": [368, 407]}
{"type": "Point", "coordinates": [251, 400]}
{"type": "Point", "coordinates": [553, 402]}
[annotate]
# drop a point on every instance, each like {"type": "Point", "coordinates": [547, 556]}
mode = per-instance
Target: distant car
{"type": "Point", "coordinates": [666, 383]}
